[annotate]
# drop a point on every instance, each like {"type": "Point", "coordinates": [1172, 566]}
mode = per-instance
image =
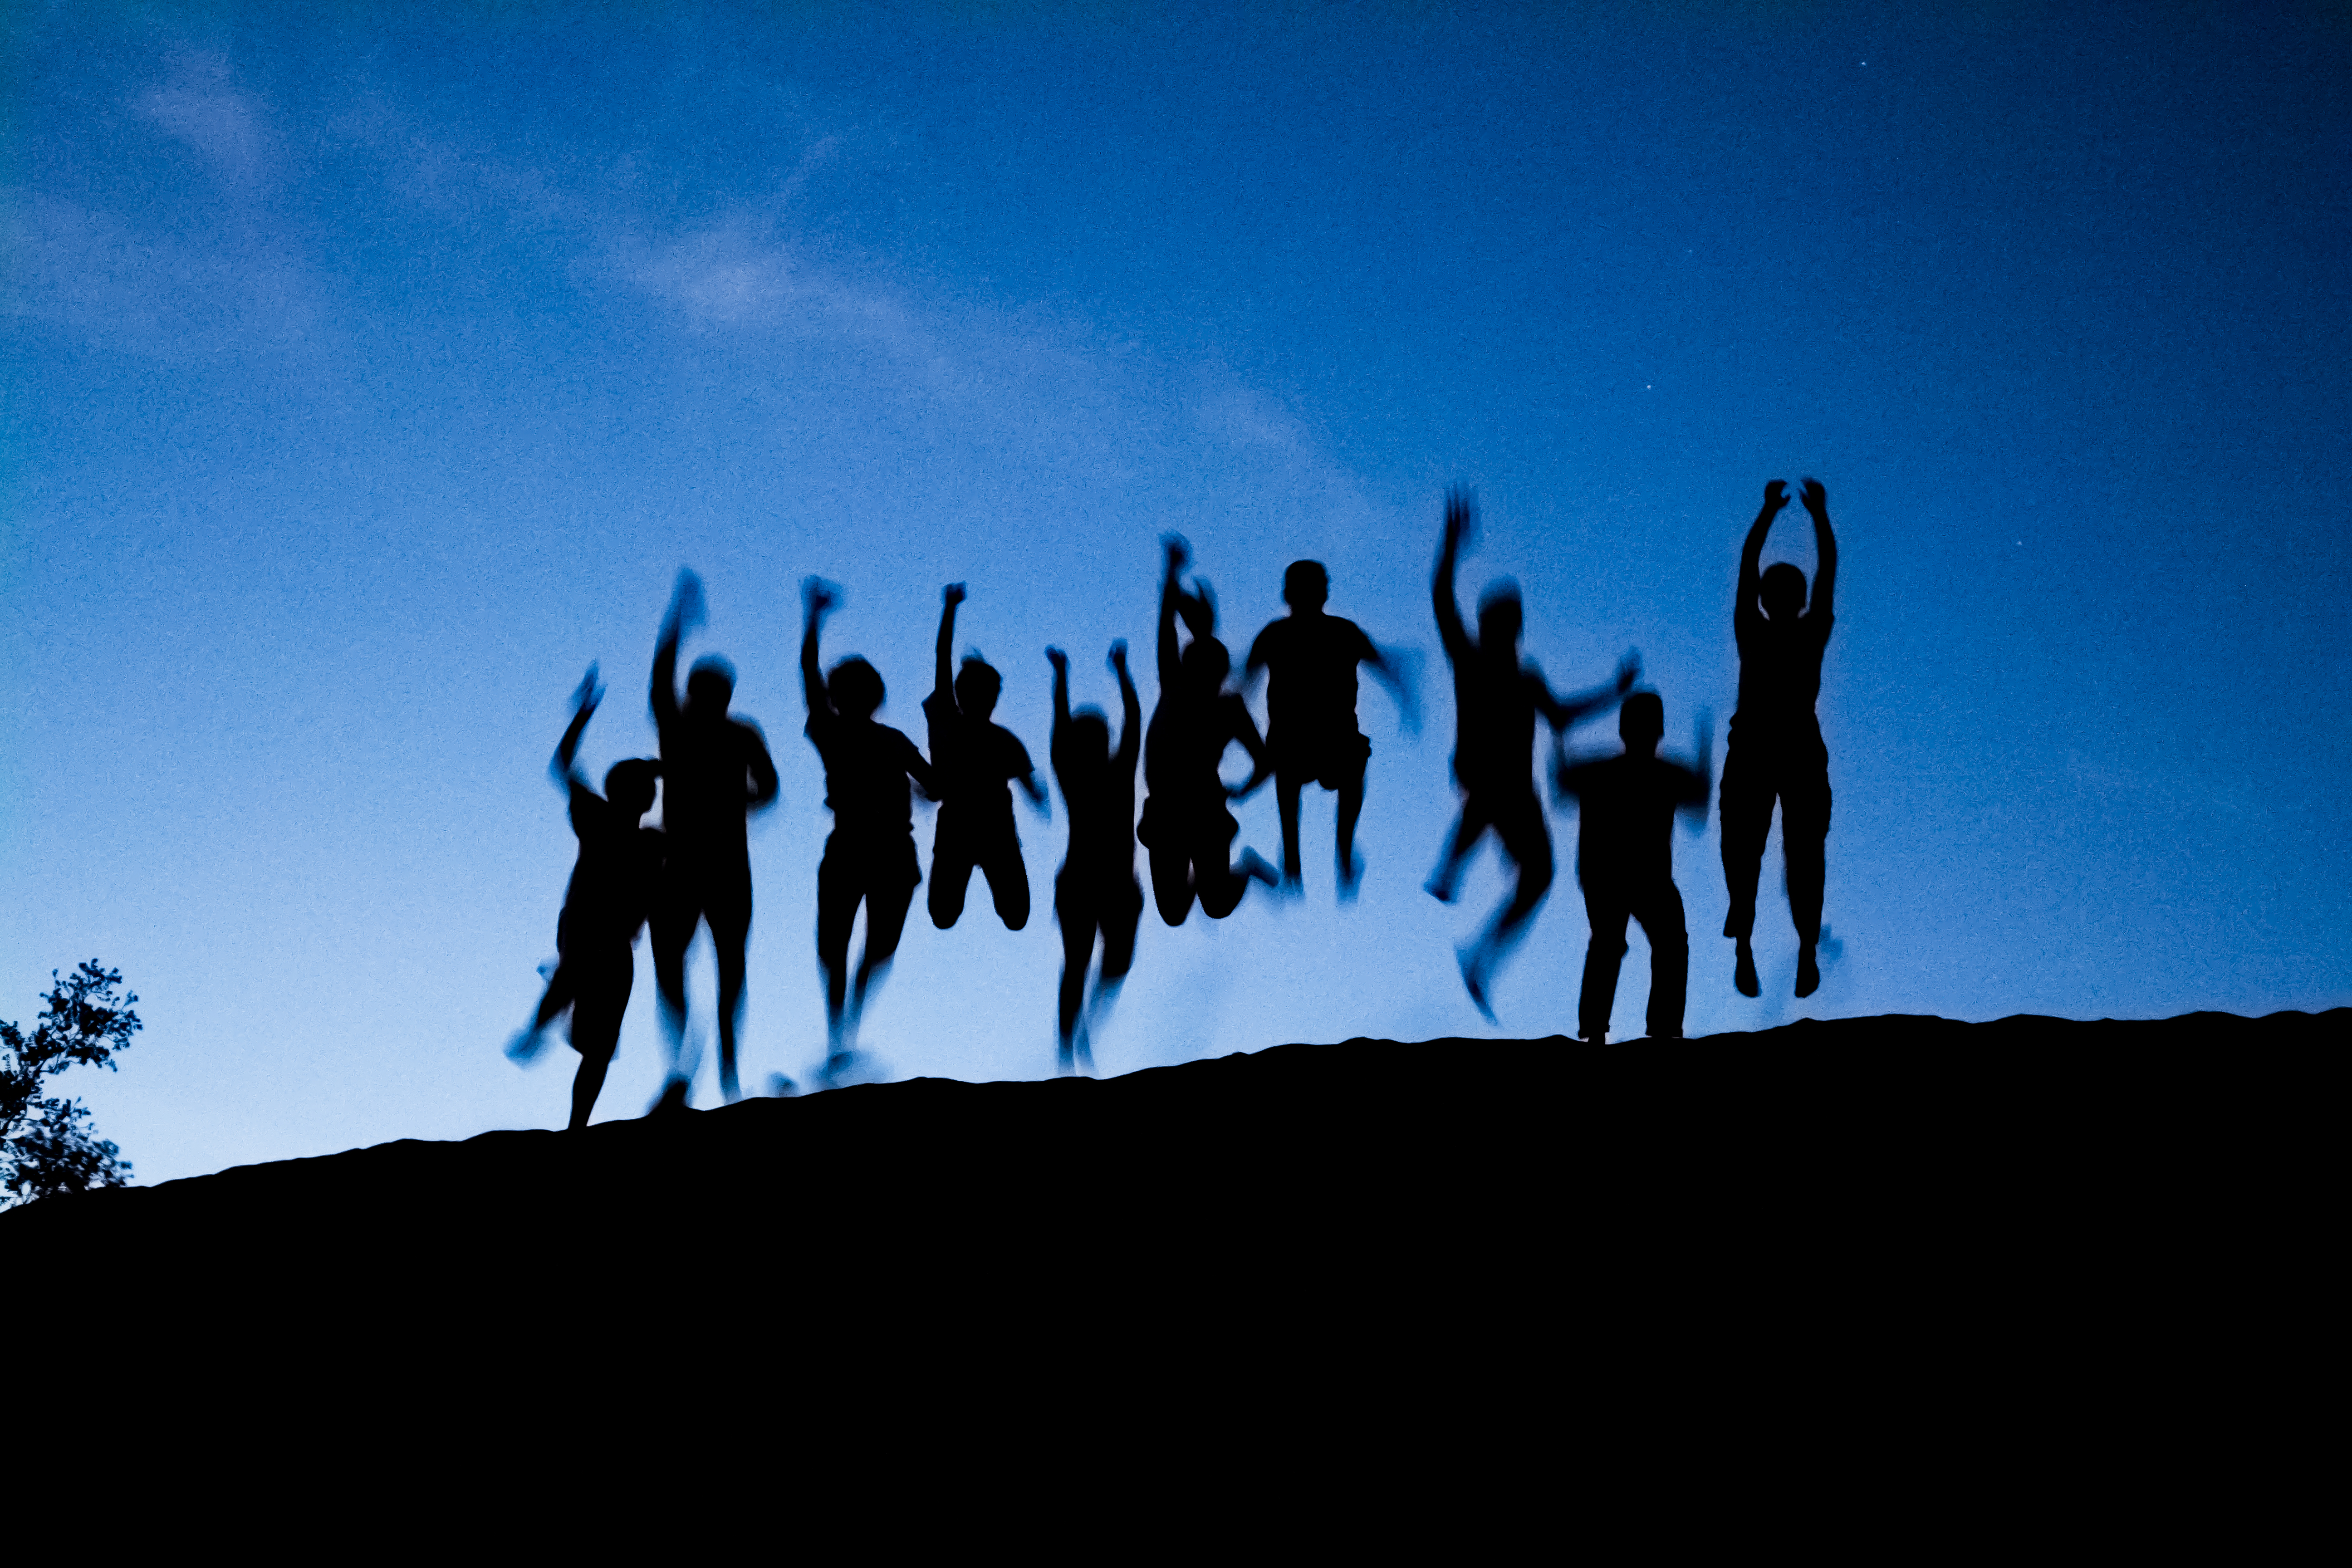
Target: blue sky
{"type": "Point", "coordinates": [369, 374]}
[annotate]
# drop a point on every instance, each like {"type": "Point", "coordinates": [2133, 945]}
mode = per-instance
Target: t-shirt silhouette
{"type": "Point", "coordinates": [974, 759]}
{"type": "Point", "coordinates": [867, 767]}
{"type": "Point", "coordinates": [1779, 675]}
{"type": "Point", "coordinates": [1311, 697]}
{"type": "Point", "coordinates": [1624, 835]}
{"type": "Point", "coordinates": [613, 883]}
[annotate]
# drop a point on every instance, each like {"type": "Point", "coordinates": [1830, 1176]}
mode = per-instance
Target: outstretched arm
{"type": "Point", "coordinates": [1563, 711]}
{"type": "Point", "coordinates": [942, 681]}
{"type": "Point", "coordinates": [1130, 711]}
{"type": "Point", "coordinates": [819, 595]}
{"type": "Point", "coordinates": [1751, 554]}
{"type": "Point", "coordinates": [1171, 593]}
{"type": "Point", "coordinates": [1398, 670]}
{"type": "Point", "coordinates": [685, 613]}
{"type": "Point", "coordinates": [1461, 522]}
{"type": "Point", "coordinates": [1061, 663]}
{"type": "Point", "coordinates": [583, 708]}
{"type": "Point", "coordinates": [1817, 501]}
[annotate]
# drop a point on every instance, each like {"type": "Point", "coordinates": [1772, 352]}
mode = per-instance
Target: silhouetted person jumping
{"type": "Point", "coordinates": [1625, 863]}
{"type": "Point", "coordinates": [715, 770]}
{"type": "Point", "coordinates": [1186, 825]}
{"type": "Point", "coordinates": [974, 758]}
{"type": "Point", "coordinates": [870, 856]}
{"type": "Point", "coordinates": [1496, 696]}
{"type": "Point", "coordinates": [1311, 710]}
{"type": "Point", "coordinates": [612, 886]}
{"type": "Point", "coordinates": [1775, 748]}
{"type": "Point", "coordinates": [1095, 889]}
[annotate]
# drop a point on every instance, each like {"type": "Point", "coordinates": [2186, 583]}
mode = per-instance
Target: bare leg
{"type": "Point", "coordinates": [1077, 950]}
{"type": "Point", "coordinates": [586, 1085]}
{"type": "Point", "coordinates": [1351, 806]}
{"type": "Point", "coordinates": [1286, 794]}
{"type": "Point", "coordinates": [1446, 879]}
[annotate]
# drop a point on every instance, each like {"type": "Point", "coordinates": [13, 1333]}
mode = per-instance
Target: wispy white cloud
{"type": "Point", "coordinates": [200, 106]}
{"type": "Point", "coordinates": [163, 294]}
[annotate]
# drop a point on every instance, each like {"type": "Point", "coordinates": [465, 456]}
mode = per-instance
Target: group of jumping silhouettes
{"type": "Point", "coordinates": [715, 770]}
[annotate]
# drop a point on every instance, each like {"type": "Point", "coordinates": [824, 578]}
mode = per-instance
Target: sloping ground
{"type": "Point", "coordinates": [1813, 1124]}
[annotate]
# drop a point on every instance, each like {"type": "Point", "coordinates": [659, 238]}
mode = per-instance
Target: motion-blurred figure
{"type": "Point", "coordinates": [1775, 748]}
{"type": "Point", "coordinates": [870, 856]}
{"type": "Point", "coordinates": [1095, 889]}
{"type": "Point", "coordinates": [1311, 710]}
{"type": "Point", "coordinates": [1496, 696]}
{"type": "Point", "coordinates": [1625, 862]}
{"type": "Point", "coordinates": [974, 758]}
{"type": "Point", "coordinates": [612, 886]}
{"type": "Point", "coordinates": [715, 770]}
{"type": "Point", "coordinates": [1186, 825]}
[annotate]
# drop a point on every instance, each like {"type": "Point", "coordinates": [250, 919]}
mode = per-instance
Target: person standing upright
{"type": "Point", "coordinates": [715, 768]}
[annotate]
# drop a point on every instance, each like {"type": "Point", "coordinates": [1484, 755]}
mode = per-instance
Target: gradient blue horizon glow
{"type": "Point", "coordinates": [371, 374]}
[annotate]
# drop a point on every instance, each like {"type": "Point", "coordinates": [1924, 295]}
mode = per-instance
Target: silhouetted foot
{"type": "Point", "coordinates": [729, 1089]}
{"type": "Point", "coordinates": [1352, 876]}
{"type": "Point", "coordinates": [782, 1088]}
{"type": "Point", "coordinates": [1438, 890]}
{"type": "Point", "coordinates": [1474, 979]}
{"type": "Point", "coordinates": [1253, 864]}
{"type": "Point", "coordinates": [1809, 973]}
{"type": "Point", "coordinates": [672, 1099]}
{"type": "Point", "coordinates": [1743, 972]}
{"type": "Point", "coordinates": [524, 1046]}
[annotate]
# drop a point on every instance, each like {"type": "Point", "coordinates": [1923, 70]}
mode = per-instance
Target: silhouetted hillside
{"type": "Point", "coordinates": [1278, 1158]}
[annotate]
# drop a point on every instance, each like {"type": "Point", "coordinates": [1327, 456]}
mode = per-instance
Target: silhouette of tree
{"type": "Point", "coordinates": [46, 1144]}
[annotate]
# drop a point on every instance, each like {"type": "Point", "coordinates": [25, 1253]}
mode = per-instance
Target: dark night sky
{"type": "Point", "coordinates": [367, 376]}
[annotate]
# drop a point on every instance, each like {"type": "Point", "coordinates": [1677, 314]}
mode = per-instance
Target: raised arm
{"type": "Point", "coordinates": [1563, 711]}
{"type": "Point", "coordinates": [1130, 711]}
{"type": "Point", "coordinates": [1398, 670]}
{"type": "Point", "coordinates": [942, 678]}
{"type": "Point", "coordinates": [1171, 593]}
{"type": "Point", "coordinates": [820, 596]}
{"type": "Point", "coordinates": [1061, 663]}
{"type": "Point", "coordinates": [1751, 554]}
{"type": "Point", "coordinates": [685, 613]}
{"type": "Point", "coordinates": [583, 708]}
{"type": "Point", "coordinates": [1461, 522]}
{"type": "Point", "coordinates": [1817, 501]}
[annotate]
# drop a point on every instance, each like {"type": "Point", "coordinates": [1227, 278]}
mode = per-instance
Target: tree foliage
{"type": "Point", "coordinates": [46, 1144]}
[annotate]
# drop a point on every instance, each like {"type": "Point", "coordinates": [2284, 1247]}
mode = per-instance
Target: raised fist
{"type": "Point", "coordinates": [952, 593]}
{"type": "Point", "coordinates": [1817, 499]}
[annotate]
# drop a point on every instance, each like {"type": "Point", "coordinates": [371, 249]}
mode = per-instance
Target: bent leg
{"type": "Point", "coordinates": [1171, 877]}
{"type": "Point", "coordinates": [1008, 884]}
{"type": "Point", "coordinates": [596, 1016]}
{"type": "Point", "coordinates": [1468, 828]}
{"type": "Point", "coordinates": [951, 863]}
{"type": "Point", "coordinates": [676, 912]}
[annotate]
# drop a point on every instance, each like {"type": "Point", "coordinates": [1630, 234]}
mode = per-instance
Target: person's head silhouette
{"type": "Point", "coordinates": [1641, 722]}
{"type": "Point", "coordinates": [1783, 592]}
{"type": "Point", "coordinates": [1087, 742]}
{"type": "Point", "coordinates": [856, 687]}
{"type": "Point", "coordinates": [1206, 665]}
{"type": "Point", "coordinates": [629, 786]}
{"type": "Point", "coordinates": [1499, 614]}
{"type": "Point", "coordinates": [1306, 587]}
{"type": "Point", "coordinates": [977, 686]}
{"type": "Point", "coordinates": [710, 688]}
